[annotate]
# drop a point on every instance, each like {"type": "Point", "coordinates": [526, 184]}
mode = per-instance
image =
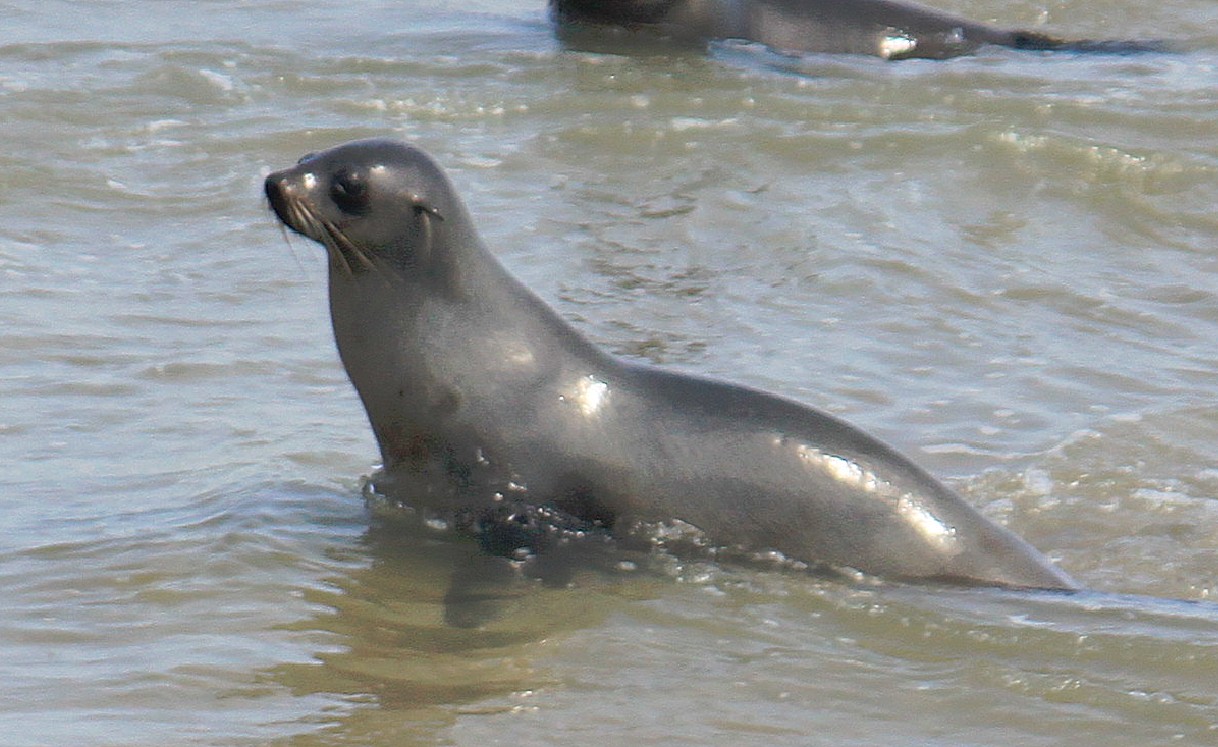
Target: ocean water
{"type": "Point", "coordinates": [1006, 265]}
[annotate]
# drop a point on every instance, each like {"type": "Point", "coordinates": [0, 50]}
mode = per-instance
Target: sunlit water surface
{"type": "Point", "coordinates": [1006, 265]}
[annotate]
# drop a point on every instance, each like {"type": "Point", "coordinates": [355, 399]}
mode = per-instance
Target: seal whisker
{"type": "Point", "coordinates": [337, 254]}
{"type": "Point", "coordinates": [287, 239]}
{"type": "Point", "coordinates": [318, 230]}
{"type": "Point", "coordinates": [347, 247]}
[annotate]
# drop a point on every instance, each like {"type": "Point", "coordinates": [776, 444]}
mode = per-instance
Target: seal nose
{"type": "Point", "coordinates": [277, 194]}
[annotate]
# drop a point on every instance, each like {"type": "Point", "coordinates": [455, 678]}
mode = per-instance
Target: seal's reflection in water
{"type": "Point", "coordinates": [434, 624]}
{"type": "Point", "coordinates": [510, 543]}
{"type": "Point", "coordinates": [405, 675]}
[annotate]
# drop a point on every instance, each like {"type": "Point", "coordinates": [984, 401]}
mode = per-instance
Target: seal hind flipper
{"type": "Point", "coordinates": [1028, 40]}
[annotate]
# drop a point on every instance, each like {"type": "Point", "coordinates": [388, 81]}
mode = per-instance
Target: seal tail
{"type": "Point", "coordinates": [1032, 41]}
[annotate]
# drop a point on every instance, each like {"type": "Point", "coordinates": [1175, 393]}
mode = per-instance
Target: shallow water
{"type": "Point", "coordinates": [1005, 265]}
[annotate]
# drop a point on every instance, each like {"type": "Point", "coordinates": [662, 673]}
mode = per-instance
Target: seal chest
{"type": "Point", "coordinates": [477, 390]}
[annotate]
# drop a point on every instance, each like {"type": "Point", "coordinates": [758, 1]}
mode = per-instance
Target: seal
{"type": "Point", "coordinates": [891, 29]}
{"type": "Point", "coordinates": [480, 393]}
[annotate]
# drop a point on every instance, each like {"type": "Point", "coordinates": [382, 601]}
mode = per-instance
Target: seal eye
{"type": "Point", "coordinates": [350, 192]}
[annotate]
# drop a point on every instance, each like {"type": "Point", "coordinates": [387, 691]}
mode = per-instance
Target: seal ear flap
{"type": "Point", "coordinates": [421, 207]}
{"type": "Point", "coordinates": [426, 213]}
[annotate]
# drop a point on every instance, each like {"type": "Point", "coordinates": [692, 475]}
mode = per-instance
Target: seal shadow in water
{"type": "Point", "coordinates": [891, 29]}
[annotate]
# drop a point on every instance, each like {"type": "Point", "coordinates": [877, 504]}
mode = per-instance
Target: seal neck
{"type": "Point", "coordinates": [432, 348]}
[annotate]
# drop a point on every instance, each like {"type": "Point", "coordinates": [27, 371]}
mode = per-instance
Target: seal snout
{"type": "Point", "coordinates": [290, 204]}
{"type": "Point", "coordinates": [277, 190]}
